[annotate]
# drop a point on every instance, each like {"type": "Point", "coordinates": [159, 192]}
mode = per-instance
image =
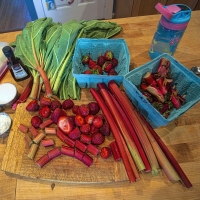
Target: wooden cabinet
{"type": "Point", "coordinates": [131, 8]}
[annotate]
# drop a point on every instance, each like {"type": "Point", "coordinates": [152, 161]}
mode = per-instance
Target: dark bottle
{"type": "Point", "coordinates": [18, 70]}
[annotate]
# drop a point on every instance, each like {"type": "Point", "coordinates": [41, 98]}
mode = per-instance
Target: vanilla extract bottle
{"type": "Point", "coordinates": [18, 70]}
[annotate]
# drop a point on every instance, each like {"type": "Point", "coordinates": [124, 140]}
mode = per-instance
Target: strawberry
{"type": "Point", "coordinates": [45, 101]}
{"type": "Point", "coordinates": [79, 120]}
{"type": "Point", "coordinates": [58, 112]}
{"type": "Point", "coordinates": [101, 60]}
{"type": "Point", "coordinates": [112, 72]}
{"type": "Point", "coordinates": [36, 121]}
{"type": "Point", "coordinates": [107, 66]}
{"type": "Point", "coordinates": [91, 64]}
{"type": "Point", "coordinates": [75, 134]}
{"type": "Point", "coordinates": [89, 118]}
{"type": "Point", "coordinates": [85, 59]}
{"type": "Point", "coordinates": [88, 71]}
{"type": "Point", "coordinates": [114, 62]}
{"type": "Point", "coordinates": [93, 129]}
{"type": "Point", "coordinates": [33, 106]}
{"type": "Point", "coordinates": [97, 70]}
{"type": "Point", "coordinates": [84, 110]}
{"type": "Point", "coordinates": [85, 138]}
{"type": "Point", "coordinates": [94, 108]}
{"type": "Point", "coordinates": [55, 104]}
{"type": "Point", "coordinates": [105, 129]}
{"type": "Point", "coordinates": [97, 122]}
{"type": "Point", "coordinates": [105, 152]}
{"type": "Point", "coordinates": [85, 128]}
{"type": "Point", "coordinates": [67, 104]}
{"type": "Point", "coordinates": [75, 109]}
{"type": "Point", "coordinates": [108, 55]}
{"type": "Point", "coordinates": [44, 112]}
{"type": "Point", "coordinates": [97, 138]}
{"type": "Point", "coordinates": [66, 124]}
{"type": "Point", "coordinates": [101, 116]}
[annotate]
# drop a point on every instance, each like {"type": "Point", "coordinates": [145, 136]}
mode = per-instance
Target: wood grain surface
{"type": "Point", "coordinates": [181, 136]}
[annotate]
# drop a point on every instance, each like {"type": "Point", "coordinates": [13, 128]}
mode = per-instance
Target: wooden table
{"type": "Point", "coordinates": [182, 136]}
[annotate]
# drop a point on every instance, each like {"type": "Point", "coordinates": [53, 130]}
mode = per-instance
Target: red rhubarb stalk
{"type": "Point", "coordinates": [87, 160]}
{"type": "Point", "coordinates": [46, 123]}
{"type": "Point", "coordinates": [115, 151]}
{"type": "Point", "coordinates": [92, 149]}
{"type": "Point", "coordinates": [125, 104]}
{"type": "Point", "coordinates": [34, 131]}
{"type": "Point", "coordinates": [122, 126]}
{"type": "Point", "coordinates": [47, 142]}
{"type": "Point", "coordinates": [69, 151]}
{"type": "Point", "coordinates": [43, 160]}
{"type": "Point", "coordinates": [116, 134]}
{"type": "Point", "coordinates": [23, 128]}
{"type": "Point", "coordinates": [50, 130]}
{"type": "Point", "coordinates": [55, 152]}
{"type": "Point", "coordinates": [133, 135]}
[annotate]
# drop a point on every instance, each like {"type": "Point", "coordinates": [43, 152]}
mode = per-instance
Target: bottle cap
{"type": "Point", "coordinates": [7, 50]}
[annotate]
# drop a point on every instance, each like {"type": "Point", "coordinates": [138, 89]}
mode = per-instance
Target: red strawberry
{"type": "Point", "coordinates": [105, 152]}
{"type": "Point", "coordinates": [67, 104]}
{"type": "Point", "coordinates": [45, 101]}
{"type": "Point", "coordinates": [58, 112]}
{"type": "Point", "coordinates": [89, 118]}
{"type": "Point", "coordinates": [85, 138]}
{"type": "Point", "coordinates": [107, 66]}
{"type": "Point", "coordinates": [112, 72]}
{"type": "Point", "coordinates": [79, 120]}
{"type": "Point", "coordinates": [114, 62]}
{"type": "Point", "coordinates": [88, 71]}
{"type": "Point", "coordinates": [75, 134]}
{"type": "Point", "coordinates": [97, 122]}
{"type": "Point", "coordinates": [55, 104]}
{"type": "Point", "coordinates": [84, 110]}
{"type": "Point", "coordinates": [101, 60]}
{"type": "Point", "coordinates": [85, 128]}
{"type": "Point", "coordinates": [94, 108]}
{"type": "Point", "coordinates": [44, 112]}
{"type": "Point", "coordinates": [91, 64]}
{"type": "Point", "coordinates": [108, 55]}
{"type": "Point", "coordinates": [66, 124]}
{"type": "Point", "coordinates": [100, 116]}
{"type": "Point", "coordinates": [105, 129]}
{"type": "Point", "coordinates": [93, 129]}
{"type": "Point", "coordinates": [75, 109]}
{"type": "Point", "coordinates": [36, 121]}
{"type": "Point", "coordinates": [97, 138]}
{"type": "Point", "coordinates": [33, 106]}
{"type": "Point", "coordinates": [97, 70]}
{"type": "Point", "coordinates": [85, 59]}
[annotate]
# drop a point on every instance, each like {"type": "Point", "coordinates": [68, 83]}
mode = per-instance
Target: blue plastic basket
{"type": "Point", "coordinates": [96, 47]}
{"type": "Point", "coordinates": [186, 83]}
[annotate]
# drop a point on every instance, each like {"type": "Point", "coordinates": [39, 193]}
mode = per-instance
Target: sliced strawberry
{"type": "Point", "coordinates": [97, 122]}
{"type": "Point", "coordinates": [79, 120]}
{"type": "Point", "coordinates": [45, 101]}
{"type": "Point", "coordinates": [58, 112]}
{"type": "Point", "coordinates": [65, 124]}
{"type": "Point", "coordinates": [105, 152]}
{"type": "Point", "coordinates": [93, 129]}
{"type": "Point", "coordinates": [33, 106]}
{"type": "Point", "coordinates": [89, 119]}
{"type": "Point", "coordinates": [75, 134]}
{"type": "Point", "coordinates": [44, 112]}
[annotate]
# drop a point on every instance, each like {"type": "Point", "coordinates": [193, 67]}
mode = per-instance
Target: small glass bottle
{"type": "Point", "coordinates": [18, 71]}
{"type": "Point", "coordinates": [170, 29]}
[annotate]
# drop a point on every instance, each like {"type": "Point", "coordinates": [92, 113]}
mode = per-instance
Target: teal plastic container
{"type": "Point", "coordinates": [186, 83]}
{"type": "Point", "coordinates": [96, 47]}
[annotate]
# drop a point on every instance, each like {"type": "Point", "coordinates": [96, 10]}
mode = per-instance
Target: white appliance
{"type": "Point", "coordinates": [65, 10]}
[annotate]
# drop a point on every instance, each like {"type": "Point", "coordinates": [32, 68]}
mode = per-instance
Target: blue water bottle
{"type": "Point", "coordinates": [171, 27]}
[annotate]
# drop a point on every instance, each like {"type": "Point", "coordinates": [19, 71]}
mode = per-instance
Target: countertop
{"type": "Point", "coordinates": [182, 136]}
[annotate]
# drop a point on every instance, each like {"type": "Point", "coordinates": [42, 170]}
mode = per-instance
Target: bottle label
{"type": "Point", "coordinates": [18, 71]}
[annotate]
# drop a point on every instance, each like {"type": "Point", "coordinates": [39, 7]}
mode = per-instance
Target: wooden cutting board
{"type": "Point", "coordinates": [61, 169]}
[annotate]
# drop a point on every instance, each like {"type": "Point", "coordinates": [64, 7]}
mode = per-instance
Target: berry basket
{"type": "Point", "coordinates": [186, 83]}
{"type": "Point", "coordinates": [96, 47]}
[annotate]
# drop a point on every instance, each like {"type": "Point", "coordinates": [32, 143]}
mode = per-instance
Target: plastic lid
{"type": "Point", "coordinates": [8, 51]}
{"type": "Point", "coordinates": [175, 13]}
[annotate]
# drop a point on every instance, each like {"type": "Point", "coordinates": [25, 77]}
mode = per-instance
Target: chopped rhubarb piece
{"type": "Point", "coordinates": [54, 153]}
{"type": "Point", "coordinates": [87, 160]}
{"type": "Point", "coordinates": [47, 142]}
{"type": "Point", "coordinates": [60, 135]}
{"type": "Point", "coordinates": [50, 130]}
{"type": "Point", "coordinates": [39, 137]}
{"type": "Point", "coordinates": [32, 151]}
{"type": "Point", "coordinates": [115, 151]}
{"type": "Point", "coordinates": [148, 79]}
{"type": "Point", "coordinates": [28, 140]}
{"type": "Point", "coordinates": [80, 145]}
{"type": "Point", "coordinates": [69, 141]}
{"type": "Point", "coordinates": [23, 128]}
{"type": "Point", "coordinates": [46, 123]}
{"type": "Point", "coordinates": [43, 160]}
{"type": "Point", "coordinates": [93, 149]}
{"type": "Point", "coordinates": [78, 154]}
{"type": "Point", "coordinates": [33, 131]}
{"type": "Point", "coordinates": [69, 151]}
